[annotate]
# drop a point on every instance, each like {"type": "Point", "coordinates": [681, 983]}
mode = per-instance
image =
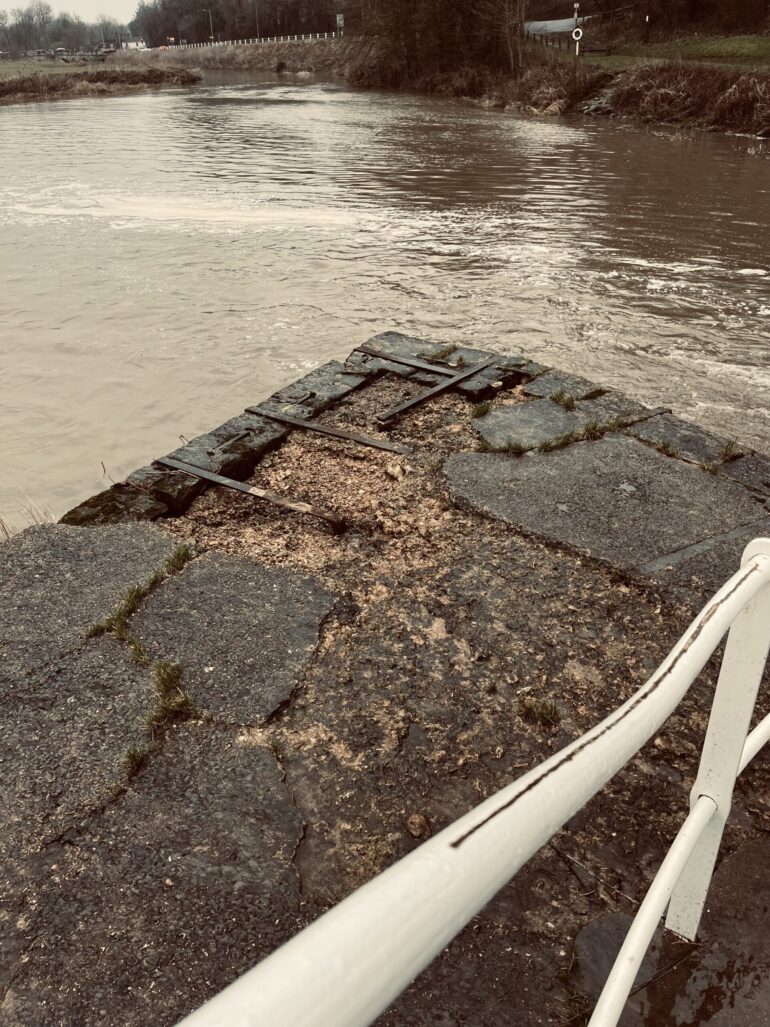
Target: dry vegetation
{"type": "Point", "coordinates": [96, 82]}
{"type": "Point", "coordinates": [705, 97]}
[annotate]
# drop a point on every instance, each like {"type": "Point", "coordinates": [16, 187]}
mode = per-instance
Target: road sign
{"type": "Point", "coordinates": [577, 35]}
{"type": "Point", "coordinates": [340, 22]}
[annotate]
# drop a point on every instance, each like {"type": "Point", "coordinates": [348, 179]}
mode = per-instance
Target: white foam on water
{"type": "Point", "coordinates": [122, 209]}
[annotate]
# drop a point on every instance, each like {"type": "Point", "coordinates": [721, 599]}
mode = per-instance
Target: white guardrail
{"type": "Point", "coordinates": [348, 966]}
{"type": "Point", "coordinates": [249, 42]}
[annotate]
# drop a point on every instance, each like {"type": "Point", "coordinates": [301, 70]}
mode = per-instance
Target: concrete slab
{"type": "Point", "coordinates": [243, 633]}
{"type": "Point", "coordinates": [698, 572]}
{"type": "Point", "coordinates": [615, 499]}
{"type": "Point", "coordinates": [559, 381]}
{"type": "Point", "coordinates": [528, 424]}
{"type": "Point", "coordinates": [77, 718]}
{"type": "Point", "coordinates": [724, 981]}
{"type": "Point", "coordinates": [682, 438]}
{"type": "Point", "coordinates": [752, 470]}
{"type": "Point", "coordinates": [613, 405]}
{"type": "Point", "coordinates": [164, 898]}
{"type": "Point", "coordinates": [57, 580]}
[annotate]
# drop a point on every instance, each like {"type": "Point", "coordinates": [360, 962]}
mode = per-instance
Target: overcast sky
{"type": "Point", "coordinates": [89, 10]}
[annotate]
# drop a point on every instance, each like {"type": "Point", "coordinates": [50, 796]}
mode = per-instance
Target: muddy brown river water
{"type": "Point", "coordinates": [169, 258]}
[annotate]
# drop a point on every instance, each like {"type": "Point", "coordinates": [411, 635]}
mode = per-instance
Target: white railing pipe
{"type": "Point", "coordinates": [740, 675]}
{"type": "Point", "coordinates": [621, 980]}
{"type": "Point", "coordinates": [349, 965]}
{"type": "Point", "coordinates": [623, 974]}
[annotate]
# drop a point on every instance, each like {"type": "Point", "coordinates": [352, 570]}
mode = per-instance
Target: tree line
{"type": "Point", "coordinates": [37, 28]}
{"type": "Point", "coordinates": [429, 33]}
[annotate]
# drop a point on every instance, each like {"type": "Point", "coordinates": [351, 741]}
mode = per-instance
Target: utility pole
{"type": "Point", "coordinates": [211, 24]}
{"type": "Point", "coordinates": [256, 16]}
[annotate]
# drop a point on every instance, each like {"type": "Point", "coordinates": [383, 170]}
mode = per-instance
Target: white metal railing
{"type": "Point", "coordinates": [307, 37]}
{"type": "Point", "coordinates": [349, 965]}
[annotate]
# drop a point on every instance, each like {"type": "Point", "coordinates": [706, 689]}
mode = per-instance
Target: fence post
{"type": "Point", "coordinates": [740, 675]}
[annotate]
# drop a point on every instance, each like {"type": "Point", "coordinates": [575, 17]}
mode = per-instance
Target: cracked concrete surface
{"type": "Point", "coordinates": [349, 696]}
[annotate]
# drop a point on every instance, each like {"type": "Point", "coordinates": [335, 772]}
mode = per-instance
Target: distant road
{"type": "Point", "coordinates": [562, 25]}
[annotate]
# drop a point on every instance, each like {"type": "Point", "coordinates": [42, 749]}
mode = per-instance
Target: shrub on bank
{"type": "Point", "coordinates": [713, 98]}
{"type": "Point", "coordinates": [555, 87]}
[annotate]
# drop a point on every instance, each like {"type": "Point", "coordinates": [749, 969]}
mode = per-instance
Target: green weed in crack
{"type": "Point", "coordinates": [543, 712]}
{"type": "Point", "coordinates": [116, 621]}
{"type": "Point", "coordinates": [564, 399]}
{"type": "Point", "coordinates": [481, 409]}
{"type": "Point", "coordinates": [171, 700]}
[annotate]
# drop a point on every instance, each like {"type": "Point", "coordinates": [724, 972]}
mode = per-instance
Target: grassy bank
{"type": "Point", "coordinates": [58, 84]}
{"type": "Point", "coordinates": [686, 94]}
{"type": "Point", "coordinates": [709, 98]}
{"type": "Point", "coordinates": [324, 56]}
{"type": "Point", "coordinates": [744, 53]}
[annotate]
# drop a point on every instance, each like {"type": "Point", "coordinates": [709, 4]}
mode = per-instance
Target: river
{"type": "Point", "coordinates": [169, 258]}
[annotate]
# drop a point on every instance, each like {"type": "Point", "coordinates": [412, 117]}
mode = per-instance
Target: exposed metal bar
{"type": "Point", "coordinates": [350, 964]}
{"type": "Point", "coordinates": [442, 387]}
{"type": "Point", "coordinates": [337, 523]}
{"type": "Point", "coordinates": [421, 365]}
{"type": "Point", "coordinates": [335, 433]}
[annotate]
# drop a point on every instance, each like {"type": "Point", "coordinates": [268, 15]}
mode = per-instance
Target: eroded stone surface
{"type": "Point", "coordinates": [752, 470]}
{"type": "Point", "coordinates": [615, 499]}
{"type": "Point", "coordinates": [119, 503]}
{"type": "Point", "coordinates": [613, 405]}
{"type": "Point", "coordinates": [167, 896]}
{"type": "Point", "coordinates": [319, 389]}
{"type": "Point", "coordinates": [682, 439]}
{"type": "Point", "coordinates": [698, 573]}
{"type": "Point", "coordinates": [528, 424]}
{"type": "Point", "coordinates": [233, 448]}
{"type": "Point", "coordinates": [559, 381]}
{"type": "Point", "coordinates": [65, 731]}
{"type": "Point", "coordinates": [173, 488]}
{"type": "Point", "coordinates": [242, 633]}
{"type": "Point", "coordinates": [57, 580]}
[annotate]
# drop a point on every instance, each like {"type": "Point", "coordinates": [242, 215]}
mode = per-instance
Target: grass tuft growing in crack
{"type": "Point", "coordinates": [543, 712]}
{"type": "Point", "coordinates": [440, 354]}
{"type": "Point", "coordinates": [730, 451]}
{"type": "Point", "coordinates": [134, 760]}
{"type": "Point", "coordinates": [481, 409]}
{"type": "Point", "coordinates": [667, 449]}
{"type": "Point", "coordinates": [116, 621]}
{"type": "Point", "coordinates": [564, 399]}
{"type": "Point", "coordinates": [171, 700]}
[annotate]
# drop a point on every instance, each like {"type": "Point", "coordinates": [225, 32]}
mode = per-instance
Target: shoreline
{"type": "Point", "coordinates": [685, 96]}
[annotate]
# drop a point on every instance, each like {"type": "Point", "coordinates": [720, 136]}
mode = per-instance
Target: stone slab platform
{"type": "Point", "coordinates": [270, 715]}
{"type": "Point", "coordinates": [614, 499]}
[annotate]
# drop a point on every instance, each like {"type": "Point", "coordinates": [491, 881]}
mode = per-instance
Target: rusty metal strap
{"type": "Point", "coordinates": [442, 387]}
{"type": "Point", "coordinates": [336, 522]}
{"type": "Point", "coordinates": [335, 433]}
{"type": "Point", "coordinates": [420, 365]}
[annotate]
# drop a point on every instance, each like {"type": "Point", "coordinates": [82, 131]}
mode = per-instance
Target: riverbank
{"type": "Point", "coordinates": [62, 83]}
{"type": "Point", "coordinates": [255, 712]}
{"type": "Point", "coordinates": [716, 99]}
